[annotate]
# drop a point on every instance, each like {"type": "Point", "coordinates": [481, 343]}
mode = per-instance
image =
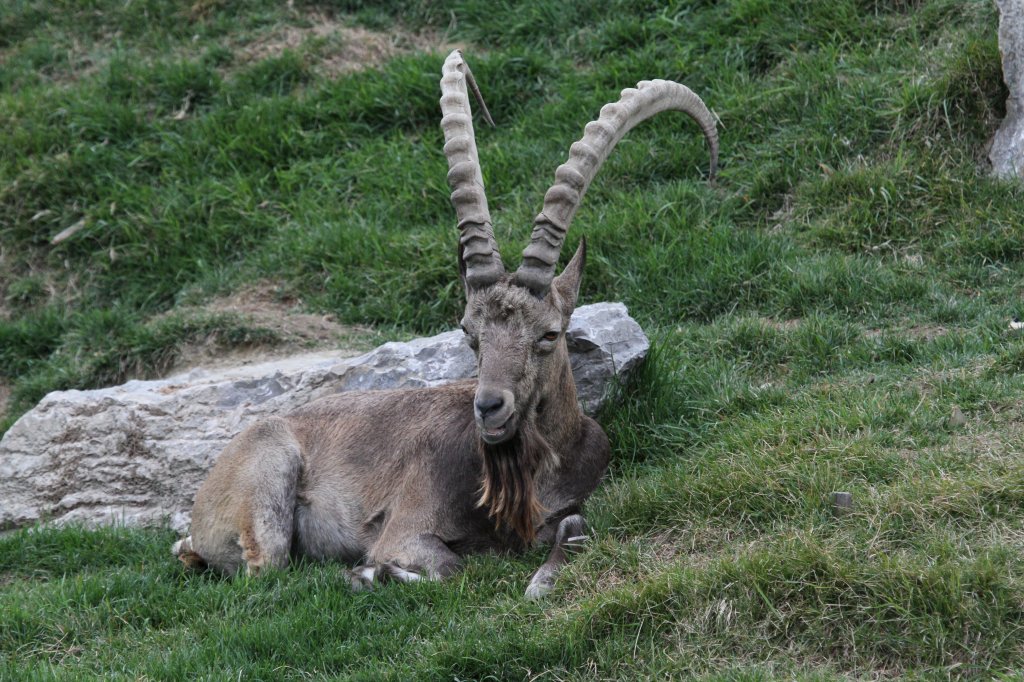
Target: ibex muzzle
{"type": "Point", "coordinates": [408, 481]}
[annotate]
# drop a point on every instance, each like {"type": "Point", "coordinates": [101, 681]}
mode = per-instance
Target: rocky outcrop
{"type": "Point", "coordinates": [136, 453]}
{"type": "Point", "coordinates": [1007, 153]}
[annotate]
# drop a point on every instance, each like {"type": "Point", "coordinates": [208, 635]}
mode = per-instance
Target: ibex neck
{"type": "Point", "coordinates": [558, 415]}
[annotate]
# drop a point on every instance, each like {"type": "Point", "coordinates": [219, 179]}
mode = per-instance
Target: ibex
{"type": "Point", "coordinates": [410, 480]}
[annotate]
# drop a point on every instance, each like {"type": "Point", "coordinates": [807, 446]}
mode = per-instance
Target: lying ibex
{"type": "Point", "coordinates": [410, 480]}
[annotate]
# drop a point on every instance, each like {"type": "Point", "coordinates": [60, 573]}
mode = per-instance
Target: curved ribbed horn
{"type": "Point", "coordinates": [478, 248]}
{"type": "Point", "coordinates": [585, 158]}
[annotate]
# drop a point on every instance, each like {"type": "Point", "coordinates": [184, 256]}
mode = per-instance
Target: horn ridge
{"type": "Point", "coordinates": [479, 248]}
{"type": "Point", "coordinates": [586, 156]}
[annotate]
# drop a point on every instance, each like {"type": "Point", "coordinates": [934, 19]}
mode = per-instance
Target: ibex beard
{"type": "Point", "coordinates": [508, 492]}
{"type": "Point", "coordinates": [409, 481]}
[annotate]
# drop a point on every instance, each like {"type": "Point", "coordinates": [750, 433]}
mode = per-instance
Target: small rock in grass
{"type": "Point", "coordinates": [842, 503]}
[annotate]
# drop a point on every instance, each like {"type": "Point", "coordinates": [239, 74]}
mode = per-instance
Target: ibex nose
{"type": "Point", "coordinates": [495, 414]}
{"type": "Point", "coordinates": [489, 404]}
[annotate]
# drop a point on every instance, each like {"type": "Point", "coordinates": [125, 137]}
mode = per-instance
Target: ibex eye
{"type": "Point", "coordinates": [550, 336]}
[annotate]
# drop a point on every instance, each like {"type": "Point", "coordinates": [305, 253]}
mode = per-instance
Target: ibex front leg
{"type": "Point", "coordinates": [571, 535]}
{"type": "Point", "coordinates": [423, 556]}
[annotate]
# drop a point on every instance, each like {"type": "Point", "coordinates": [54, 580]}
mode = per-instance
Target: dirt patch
{"type": "Point", "coordinates": [987, 437]}
{"type": "Point", "coordinates": [264, 305]}
{"type": "Point", "coordinates": [361, 48]}
{"type": "Point", "coordinates": [5, 397]}
{"type": "Point", "coordinates": [780, 325]}
{"type": "Point", "coordinates": [920, 332]}
{"type": "Point", "coordinates": [338, 48]}
{"type": "Point", "coordinates": [927, 332]}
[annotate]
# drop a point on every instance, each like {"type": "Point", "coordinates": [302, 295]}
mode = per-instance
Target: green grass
{"type": "Point", "coordinates": [816, 315]}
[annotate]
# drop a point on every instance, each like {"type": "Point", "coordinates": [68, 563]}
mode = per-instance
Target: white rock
{"type": "Point", "coordinates": [136, 453]}
{"type": "Point", "coordinates": [1007, 153]}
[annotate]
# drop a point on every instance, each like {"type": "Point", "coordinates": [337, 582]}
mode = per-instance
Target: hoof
{"type": "Point", "coordinates": [365, 578]}
{"type": "Point", "coordinates": [361, 578]}
{"type": "Point", "coordinates": [541, 584]}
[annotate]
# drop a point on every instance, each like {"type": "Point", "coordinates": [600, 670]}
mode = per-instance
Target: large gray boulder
{"type": "Point", "coordinates": [1007, 153]}
{"type": "Point", "coordinates": [136, 453]}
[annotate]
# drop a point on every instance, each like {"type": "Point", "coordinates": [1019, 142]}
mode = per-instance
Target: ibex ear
{"type": "Point", "coordinates": [567, 284]}
{"type": "Point", "coordinates": [462, 268]}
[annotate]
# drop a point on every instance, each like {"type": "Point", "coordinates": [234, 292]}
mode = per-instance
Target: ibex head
{"type": "Point", "coordinates": [516, 322]}
{"type": "Point", "coordinates": [518, 338]}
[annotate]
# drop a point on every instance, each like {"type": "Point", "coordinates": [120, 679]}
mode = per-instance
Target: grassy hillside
{"type": "Point", "coordinates": [816, 316]}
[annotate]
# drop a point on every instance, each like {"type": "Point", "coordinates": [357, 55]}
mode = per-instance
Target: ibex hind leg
{"type": "Point", "coordinates": [244, 512]}
{"type": "Point", "coordinates": [182, 549]}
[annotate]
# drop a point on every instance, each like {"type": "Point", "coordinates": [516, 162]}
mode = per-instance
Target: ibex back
{"type": "Point", "coordinates": [408, 481]}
